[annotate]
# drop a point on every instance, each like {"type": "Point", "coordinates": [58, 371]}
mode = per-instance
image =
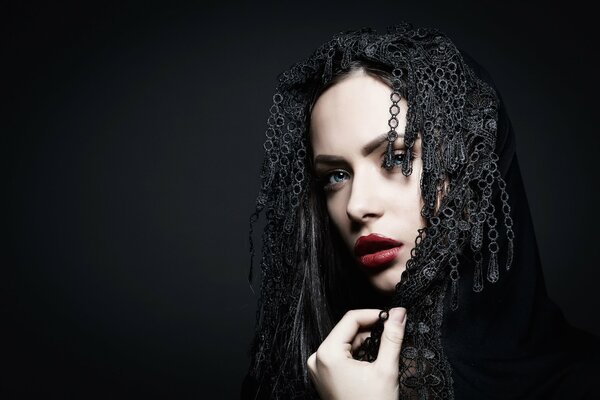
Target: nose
{"type": "Point", "coordinates": [365, 202]}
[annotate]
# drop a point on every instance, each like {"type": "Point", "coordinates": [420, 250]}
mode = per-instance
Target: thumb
{"type": "Point", "coordinates": [391, 338]}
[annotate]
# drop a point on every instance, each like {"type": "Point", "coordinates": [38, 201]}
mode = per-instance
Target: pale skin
{"type": "Point", "coordinates": [348, 122]}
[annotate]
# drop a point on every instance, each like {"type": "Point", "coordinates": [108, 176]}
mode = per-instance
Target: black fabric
{"type": "Point", "coordinates": [510, 341]}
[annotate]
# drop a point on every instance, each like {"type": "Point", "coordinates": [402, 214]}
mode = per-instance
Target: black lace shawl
{"type": "Point", "coordinates": [480, 323]}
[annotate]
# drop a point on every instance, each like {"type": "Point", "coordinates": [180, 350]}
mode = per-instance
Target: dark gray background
{"type": "Point", "coordinates": [134, 137]}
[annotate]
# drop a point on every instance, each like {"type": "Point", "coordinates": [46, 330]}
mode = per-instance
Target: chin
{"type": "Point", "coordinates": [385, 281]}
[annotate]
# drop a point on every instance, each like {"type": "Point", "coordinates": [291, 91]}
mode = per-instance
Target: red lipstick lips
{"type": "Point", "coordinates": [375, 250]}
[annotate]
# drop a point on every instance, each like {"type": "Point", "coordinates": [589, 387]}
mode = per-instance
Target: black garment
{"type": "Point", "coordinates": [511, 341]}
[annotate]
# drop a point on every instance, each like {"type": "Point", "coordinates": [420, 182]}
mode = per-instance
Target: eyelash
{"type": "Point", "coordinates": [328, 186]}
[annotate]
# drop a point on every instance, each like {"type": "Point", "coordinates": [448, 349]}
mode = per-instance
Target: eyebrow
{"type": "Point", "coordinates": [365, 151]}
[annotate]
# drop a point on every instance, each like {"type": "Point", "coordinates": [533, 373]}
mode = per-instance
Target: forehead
{"type": "Point", "coordinates": [352, 112]}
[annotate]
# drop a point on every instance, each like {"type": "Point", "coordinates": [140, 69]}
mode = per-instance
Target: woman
{"type": "Point", "coordinates": [399, 259]}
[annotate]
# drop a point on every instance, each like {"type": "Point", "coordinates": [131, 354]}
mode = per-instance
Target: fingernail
{"type": "Point", "coordinates": [398, 315]}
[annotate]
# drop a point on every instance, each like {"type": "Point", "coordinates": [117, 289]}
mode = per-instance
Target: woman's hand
{"type": "Point", "coordinates": [336, 375]}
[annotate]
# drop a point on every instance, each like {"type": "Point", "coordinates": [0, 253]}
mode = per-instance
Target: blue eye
{"type": "Point", "coordinates": [399, 158]}
{"type": "Point", "coordinates": [334, 178]}
{"type": "Point", "coordinates": [337, 177]}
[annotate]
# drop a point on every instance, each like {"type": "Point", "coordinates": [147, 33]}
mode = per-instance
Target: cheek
{"type": "Point", "coordinates": [407, 201]}
{"type": "Point", "coordinates": [415, 184]}
{"type": "Point", "coordinates": [336, 209]}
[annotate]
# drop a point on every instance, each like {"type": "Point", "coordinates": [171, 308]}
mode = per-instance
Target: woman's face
{"type": "Point", "coordinates": [376, 211]}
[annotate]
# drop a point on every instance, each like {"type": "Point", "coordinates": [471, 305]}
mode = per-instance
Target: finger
{"type": "Point", "coordinates": [391, 338]}
{"type": "Point", "coordinates": [359, 339]}
{"type": "Point", "coordinates": [345, 330]}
